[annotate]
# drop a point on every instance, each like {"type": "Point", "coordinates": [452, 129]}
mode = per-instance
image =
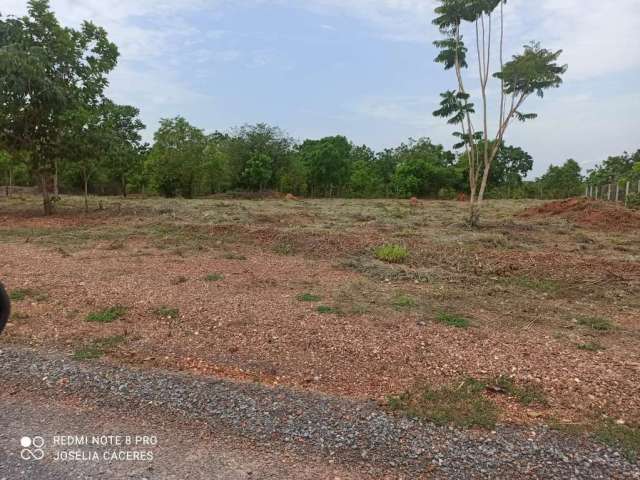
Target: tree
{"type": "Point", "coordinates": [533, 71]}
{"type": "Point", "coordinates": [46, 71]}
{"type": "Point", "coordinates": [562, 182]}
{"type": "Point", "coordinates": [13, 169]}
{"type": "Point", "coordinates": [327, 161]}
{"type": "Point", "coordinates": [175, 160]}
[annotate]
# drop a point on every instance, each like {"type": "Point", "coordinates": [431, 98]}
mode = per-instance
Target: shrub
{"type": "Point", "coordinates": [633, 201]}
{"type": "Point", "coordinates": [596, 323]}
{"type": "Point", "coordinates": [392, 253]}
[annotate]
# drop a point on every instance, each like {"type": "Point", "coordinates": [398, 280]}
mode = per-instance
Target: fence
{"type": "Point", "coordinates": [613, 192]}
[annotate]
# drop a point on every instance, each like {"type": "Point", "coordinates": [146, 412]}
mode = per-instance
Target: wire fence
{"type": "Point", "coordinates": [614, 191]}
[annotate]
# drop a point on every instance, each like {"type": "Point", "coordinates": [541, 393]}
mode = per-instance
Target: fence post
{"type": "Point", "coordinates": [627, 192]}
{"type": "Point", "coordinates": [617, 190]}
{"type": "Point", "coordinates": [596, 196]}
{"type": "Point", "coordinates": [609, 192]}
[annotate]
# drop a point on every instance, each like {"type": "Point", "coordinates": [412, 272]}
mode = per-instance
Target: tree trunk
{"type": "Point", "coordinates": [124, 186]}
{"type": "Point", "coordinates": [46, 198]}
{"type": "Point", "coordinates": [56, 192]}
{"type": "Point", "coordinates": [86, 195]}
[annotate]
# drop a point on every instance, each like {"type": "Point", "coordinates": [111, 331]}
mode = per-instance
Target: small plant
{"type": "Point", "coordinates": [234, 256]}
{"type": "Point", "coordinates": [324, 309]}
{"type": "Point", "coordinates": [20, 294]}
{"type": "Point", "coordinates": [107, 315]}
{"type": "Point", "coordinates": [591, 347]}
{"type": "Point", "coordinates": [541, 285]}
{"type": "Point", "coordinates": [402, 302]}
{"type": "Point", "coordinates": [98, 348]}
{"type": "Point", "coordinates": [391, 253]}
{"type": "Point", "coordinates": [633, 201]}
{"type": "Point", "coordinates": [308, 297]}
{"type": "Point", "coordinates": [452, 320]}
{"type": "Point", "coordinates": [526, 394]}
{"type": "Point", "coordinates": [596, 323]}
{"type": "Point", "coordinates": [214, 277]}
{"type": "Point", "coordinates": [462, 404]}
{"type": "Point", "coordinates": [166, 312]}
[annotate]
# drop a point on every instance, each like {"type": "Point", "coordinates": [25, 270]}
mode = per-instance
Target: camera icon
{"type": "Point", "coordinates": [32, 448]}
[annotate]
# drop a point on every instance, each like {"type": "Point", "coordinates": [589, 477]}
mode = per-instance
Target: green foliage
{"type": "Point", "coordinates": [391, 253]}
{"type": "Point", "coordinates": [591, 347]}
{"type": "Point", "coordinates": [462, 404]}
{"type": "Point", "coordinates": [402, 301]}
{"type": "Point", "coordinates": [562, 182]}
{"type": "Point", "coordinates": [452, 320]}
{"type": "Point", "coordinates": [526, 394]}
{"type": "Point", "coordinates": [308, 297]}
{"type": "Point", "coordinates": [633, 201]}
{"type": "Point", "coordinates": [623, 437]}
{"type": "Point", "coordinates": [108, 315]}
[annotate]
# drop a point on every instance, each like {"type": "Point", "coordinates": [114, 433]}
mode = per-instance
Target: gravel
{"type": "Point", "coordinates": [342, 429]}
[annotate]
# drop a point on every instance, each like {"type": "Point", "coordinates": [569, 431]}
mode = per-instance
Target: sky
{"type": "Point", "coordinates": [363, 68]}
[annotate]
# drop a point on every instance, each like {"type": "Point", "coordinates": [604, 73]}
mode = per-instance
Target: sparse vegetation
{"type": "Point", "coordinates": [402, 302]}
{"type": "Point", "coordinates": [626, 438]}
{"type": "Point", "coordinates": [526, 394]}
{"type": "Point", "coordinates": [591, 347]}
{"type": "Point", "coordinates": [214, 277]}
{"type": "Point", "coordinates": [107, 315]}
{"type": "Point", "coordinates": [392, 253]}
{"type": "Point", "coordinates": [324, 309]}
{"type": "Point", "coordinates": [98, 348]}
{"type": "Point", "coordinates": [20, 294]}
{"type": "Point", "coordinates": [598, 324]}
{"type": "Point", "coordinates": [462, 404]}
{"type": "Point", "coordinates": [166, 312]}
{"type": "Point", "coordinates": [452, 320]}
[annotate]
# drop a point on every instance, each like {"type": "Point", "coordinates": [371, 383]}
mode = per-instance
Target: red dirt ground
{"type": "Point", "coordinates": [594, 214]}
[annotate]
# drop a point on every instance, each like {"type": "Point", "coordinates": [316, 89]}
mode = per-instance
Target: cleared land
{"type": "Point", "coordinates": [541, 306]}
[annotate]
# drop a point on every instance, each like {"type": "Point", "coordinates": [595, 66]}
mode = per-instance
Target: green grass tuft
{"type": "Point", "coordinates": [462, 404]}
{"type": "Point", "coordinates": [107, 315]}
{"type": "Point", "coordinates": [20, 294]}
{"type": "Point", "coordinates": [166, 312]}
{"type": "Point", "coordinates": [526, 394]}
{"type": "Point", "coordinates": [98, 348]}
{"type": "Point", "coordinates": [591, 347]}
{"type": "Point", "coordinates": [626, 438]}
{"type": "Point", "coordinates": [453, 320]}
{"type": "Point", "coordinates": [401, 302]}
{"type": "Point", "coordinates": [324, 309]}
{"type": "Point", "coordinates": [391, 253]}
{"type": "Point", "coordinates": [308, 297]}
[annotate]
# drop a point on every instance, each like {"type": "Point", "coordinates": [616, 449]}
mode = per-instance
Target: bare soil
{"type": "Point", "coordinates": [528, 281]}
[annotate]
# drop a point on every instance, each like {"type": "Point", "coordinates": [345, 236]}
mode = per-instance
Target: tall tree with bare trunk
{"type": "Point", "coordinates": [531, 72]}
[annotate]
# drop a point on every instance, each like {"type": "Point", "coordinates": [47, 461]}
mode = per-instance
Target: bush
{"type": "Point", "coordinates": [633, 201]}
{"type": "Point", "coordinates": [392, 253]}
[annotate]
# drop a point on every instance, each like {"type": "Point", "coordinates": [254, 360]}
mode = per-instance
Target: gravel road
{"type": "Point", "coordinates": [356, 436]}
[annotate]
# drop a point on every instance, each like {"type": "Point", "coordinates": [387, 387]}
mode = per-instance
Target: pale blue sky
{"type": "Point", "coordinates": [362, 68]}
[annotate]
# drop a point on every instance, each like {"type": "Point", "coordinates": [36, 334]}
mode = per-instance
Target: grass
{"type": "Point", "coordinates": [98, 348]}
{"type": "Point", "coordinates": [403, 302]}
{"type": "Point", "coordinates": [538, 284]}
{"type": "Point", "coordinates": [526, 394]}
{"type": "Point", "coordinates": [623, 437]}
{"type": "Point", "coordinates": [391, 253]}
{"type": "Point", "coordinates": [452, 320]}
{"type": "Point", "coordinates": [283, 248]}
{"type": "Point", "coordinates": [596, 323]}
{"type": "Point", "coordinates": [107, 315]}
{"type": "Point", "coordinates": [462, 404]}
{"type": "Point", "coordinates": [214, 277]}
{"type": "Point", "coordinates": [308, 297]}
{"type": "Point", "coordinates": [324, 309]}
{"type": "Point", "coordinates": [591, 347]}
{"type": "Point", "coordinates": [234, 256]}
{"type": "Point", "coordinates": [166, 312]}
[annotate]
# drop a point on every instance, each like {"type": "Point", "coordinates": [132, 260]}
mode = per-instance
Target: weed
{"type": "Point", "coordinates": [20, 294]}
{"type": "Point", "coordinates": [538, 284]}
{"type": "Point", "coordinates": [526, 394]}
{"type": "Point", "coordinates": [234, 256]}
{"type": "Point", "coordinates": [214, 277]}
{"type": "Point", "coordinates": [391, 253]}
{"type": "Point", "coordinates": [308, 297]}
{"type": "Point", "coordinates": [596, 323]}
{"type": "Point", "coordinates": [591, 347]}
{"type": "Point", "coordinates": [107, 315]}
{"type": "Point", "coordinates": [166, 312]}
{"type": "Point", "coordinates": [453, 320]}
{"type": "Point", "coordinates": [462, 404]}
{"type": "Point", "coordinates": [98, 348]}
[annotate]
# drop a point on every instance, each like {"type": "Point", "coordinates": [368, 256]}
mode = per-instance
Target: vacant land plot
{"type": "Point", "coordinates": [537, 312]}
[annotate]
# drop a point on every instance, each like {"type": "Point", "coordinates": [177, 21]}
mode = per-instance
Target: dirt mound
{"type": "Point", "coordinates": [588, 213]}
